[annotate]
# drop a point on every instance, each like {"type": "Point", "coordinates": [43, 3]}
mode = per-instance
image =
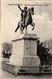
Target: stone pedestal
{"type": "Point", "coordinates": [25, 54]}
{"type": "Point", "coordinates": [25, 51]}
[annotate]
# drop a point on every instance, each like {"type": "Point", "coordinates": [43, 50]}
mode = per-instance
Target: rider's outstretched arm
{"type": "Point", "coordinates": [19, 7]}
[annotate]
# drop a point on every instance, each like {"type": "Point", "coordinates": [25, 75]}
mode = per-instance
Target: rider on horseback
{"type": "Point", "coordinates": [23, 14]}
{"type": "Point", "coordinates": [26, 19]}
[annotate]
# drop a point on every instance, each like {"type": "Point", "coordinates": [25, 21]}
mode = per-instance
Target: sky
{"type": "Point", "coordinates": [10, 16]}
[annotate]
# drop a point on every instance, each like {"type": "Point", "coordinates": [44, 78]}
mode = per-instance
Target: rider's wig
{"type": "Point", "coordinates": [25, 8]}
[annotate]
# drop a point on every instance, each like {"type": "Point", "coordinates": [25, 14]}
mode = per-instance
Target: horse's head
{"type": "Point", "coordinates": [32, 10]}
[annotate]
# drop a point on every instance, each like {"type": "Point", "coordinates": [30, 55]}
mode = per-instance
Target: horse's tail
{"type": "Point", "coordinates": [17, 28]}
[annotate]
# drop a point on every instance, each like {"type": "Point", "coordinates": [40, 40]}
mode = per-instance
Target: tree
{"type": "Point", "coordinates": [7, 50]}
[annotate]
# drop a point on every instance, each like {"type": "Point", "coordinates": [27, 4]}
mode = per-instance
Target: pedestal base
{"type": "Point", "coordinates": [20, 69]}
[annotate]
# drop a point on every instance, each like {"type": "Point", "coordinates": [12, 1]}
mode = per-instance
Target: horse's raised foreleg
{"type": "Point", "coordinates": [33, 25]}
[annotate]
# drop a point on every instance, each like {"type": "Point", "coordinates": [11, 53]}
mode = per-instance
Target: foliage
{"type": "Point", "coordinates": [7, 50]}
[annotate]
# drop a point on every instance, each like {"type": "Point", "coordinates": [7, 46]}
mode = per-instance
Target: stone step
{"type": "Point", "coordinates": [28, 70]}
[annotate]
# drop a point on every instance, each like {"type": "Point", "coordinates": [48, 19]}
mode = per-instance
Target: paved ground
{"type": "Point", "coordinates": [6, 75]}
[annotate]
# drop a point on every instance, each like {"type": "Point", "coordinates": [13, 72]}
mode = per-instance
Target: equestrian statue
{"type": "Point", "coordinates": [26, 19]}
